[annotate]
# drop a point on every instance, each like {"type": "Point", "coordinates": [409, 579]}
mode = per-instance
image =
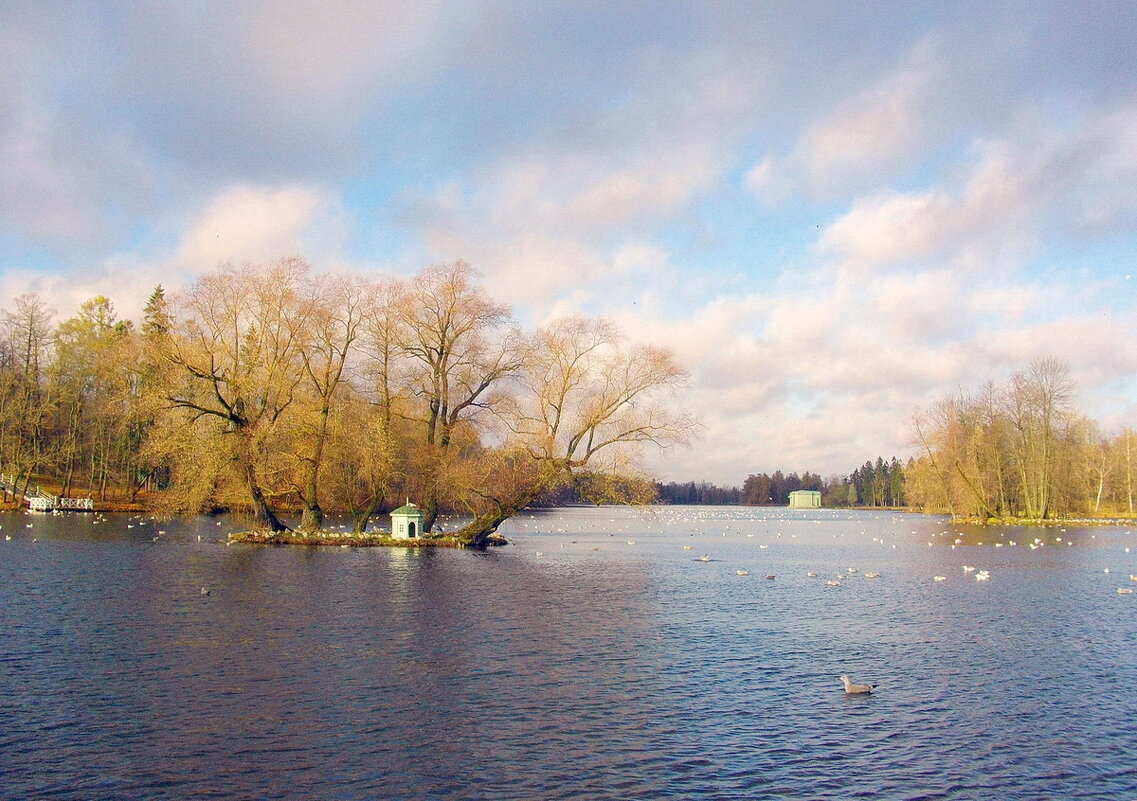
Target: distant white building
{"type": "Point", "coordinates": [805, 499]}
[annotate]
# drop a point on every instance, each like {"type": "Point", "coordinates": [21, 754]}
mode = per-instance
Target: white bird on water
{"type": "Point", "coordinates": [856, 689]}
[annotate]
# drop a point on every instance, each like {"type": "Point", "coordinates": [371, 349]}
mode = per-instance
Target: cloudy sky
{"type": "Point", "coordinates": [834, 212]}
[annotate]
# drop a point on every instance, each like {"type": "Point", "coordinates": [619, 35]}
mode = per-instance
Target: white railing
{"type": "Point", "coordinates": [41, 501]}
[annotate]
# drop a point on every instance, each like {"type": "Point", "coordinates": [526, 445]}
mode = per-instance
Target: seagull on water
{"type": "Point", "coordinates": [856, 689]}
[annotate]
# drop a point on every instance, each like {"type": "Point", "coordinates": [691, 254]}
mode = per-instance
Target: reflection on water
{"type": "Point", "coordinates": [596, 657]}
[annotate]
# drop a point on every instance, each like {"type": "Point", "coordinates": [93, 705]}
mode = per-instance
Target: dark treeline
{"type": "Point", "coordinates": [878, 483]}
{"type": "Point", "coordinates": [774, 490]}
{"type": "Point", "coordinates": [697, 493]}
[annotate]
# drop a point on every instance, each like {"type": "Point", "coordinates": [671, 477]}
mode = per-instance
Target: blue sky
{"type": "Point", "coordinates": [833, 212]}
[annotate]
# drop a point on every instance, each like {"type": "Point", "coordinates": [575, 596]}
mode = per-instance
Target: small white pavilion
{"type": "Point", "coordinates": [406, 522]}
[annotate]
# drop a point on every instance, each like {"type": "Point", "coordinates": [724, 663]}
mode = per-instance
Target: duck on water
{"type": "Point", "coordinates": [856, 689]}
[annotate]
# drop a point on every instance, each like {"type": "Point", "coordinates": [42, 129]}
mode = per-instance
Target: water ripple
{"type": "Point", "coordinates": [616, 673]}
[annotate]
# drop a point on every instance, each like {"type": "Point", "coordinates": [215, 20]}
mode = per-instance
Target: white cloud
{"type": "Point", "coordinates": [547, 230]}
{"type": "Point", "coordinates": [873, 132]}
{"type": "Point", "coordinates": [835, 358]}
{"type": "Point", "coordinates": [890, 227]}
{"type": "Point", "coordinates": [869, 135]}
{"type": "Point", "coordinates": [613, 198]}
{"type": "Point", "coordinates": [1020, 190]}
{"type": "Point", "coordinates": [239, 224]}
{"type": "Point", "coordinates": [257, 224]}
{"type": "Point", "coordinates": [769, 180]}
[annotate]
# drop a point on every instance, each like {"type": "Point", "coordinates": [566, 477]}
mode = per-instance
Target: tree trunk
{"type": "Point", "coordinates": [477, 534]}
{"type": "Point", "coordinates": [262, 514]}
{"type": "Point", "coordinates": [429, 512]}
{"type": "Point", "coordinates": [313, 517]}
{"type": "Point", "coordinates": [360, 518]}
{"type": "Point", "coordinates": [261, 511]}
{"type": "Point", "coordinates": [136, 488]}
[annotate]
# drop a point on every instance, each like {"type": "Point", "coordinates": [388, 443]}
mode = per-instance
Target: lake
{"type": "Point", "coordinates": [596, 657]}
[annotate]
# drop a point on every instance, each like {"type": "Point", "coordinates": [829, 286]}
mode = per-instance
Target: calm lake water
{"type": "Point", "coordinates": [594, 658]}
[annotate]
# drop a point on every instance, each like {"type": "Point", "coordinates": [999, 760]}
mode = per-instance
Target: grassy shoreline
{"type": "Point", "coordinates": [1063, 521]}
{"type": "Point", "coordinates": [330, 538]}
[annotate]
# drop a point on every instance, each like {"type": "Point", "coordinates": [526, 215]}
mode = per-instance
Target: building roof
{"type": "Point", "coordinates": [408, 509]}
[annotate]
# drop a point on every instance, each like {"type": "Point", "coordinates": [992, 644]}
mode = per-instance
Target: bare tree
{"type": "Point", "coordinates": [26, 403]}
{"type": "Point", "coordinates": [934, 433]}
{"type": "Point", "coordinates": [334, 312]}
{"type": "Point", "coordinates": [1018, 451]}
{"type": "Point", "coordinates": [1127, 447]}
{"type": "Point", "coordinates": [462, 345]}
{"type": "Point", "coordinates": [584, 395]}
{"type": "Point", "coordinates": [377, 451]}
{"type": "Point", "coordinates": [239, 352]}
{"type": "Point", "coordinates": [1038, 406]}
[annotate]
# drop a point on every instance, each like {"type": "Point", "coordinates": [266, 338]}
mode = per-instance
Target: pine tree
{"type": "Point", "coordinates": [156, 320]}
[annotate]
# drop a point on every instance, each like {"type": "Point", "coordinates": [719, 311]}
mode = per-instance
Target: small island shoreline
{"type": "Point", "coordinates": [351, 540]}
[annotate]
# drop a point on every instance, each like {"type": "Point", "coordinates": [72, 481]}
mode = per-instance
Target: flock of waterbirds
{"type": "Point", "coordinates": [666, 517]}
{"type": "Point", "coordinates": [697, 519]}
{"type": "Point", "coordinates": [670, 517]}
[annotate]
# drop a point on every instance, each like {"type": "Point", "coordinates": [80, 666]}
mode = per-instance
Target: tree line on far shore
{"type": "Point", "coordinates": [876, 484]}
{"type": "Point", "coordinates": [1019, 450]}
